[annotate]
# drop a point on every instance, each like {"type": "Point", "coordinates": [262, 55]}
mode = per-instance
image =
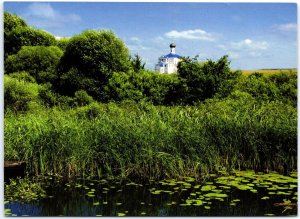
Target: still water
{"type": "Point", "coordinates": [244, 193]}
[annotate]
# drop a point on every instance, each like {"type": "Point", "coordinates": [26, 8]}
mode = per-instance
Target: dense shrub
{"type": "Point", "coordinates": [281, 87]}
{"type": "Point", "coordinates": [82, 98]}
{"type": "Point", "coordinates": [26, 36]}
{"type": "Point", "coordinates": [62, 43]}
{"type": "Point", "coordinates": [11, 21]}
{"type": "Point", "coordinates": [144, 85]}
{"type": "Point", "coordinates": [39, 61]}
{"type": "Point", "coordinates": [89, 61]}
{"type": "Point", "coordinates": [200, 81]}
{"type": "Point", "coordinates": [22, 76]}
{"type": "Point", "coordinates": [19, 94]}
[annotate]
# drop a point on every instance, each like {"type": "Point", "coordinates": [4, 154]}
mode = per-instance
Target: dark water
{"type": "Point", "coordinates": [164, 198]}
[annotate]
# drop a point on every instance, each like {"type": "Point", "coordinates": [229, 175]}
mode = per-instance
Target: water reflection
{"type": "Point", "coordinates": [167, 198]}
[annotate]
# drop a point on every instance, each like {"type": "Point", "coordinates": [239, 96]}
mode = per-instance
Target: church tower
{"type": "Point", "coordinates": [167, 64]}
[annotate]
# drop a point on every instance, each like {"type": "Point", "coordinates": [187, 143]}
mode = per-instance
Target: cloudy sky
{"type": "Point", "coordinates": [254, 35]}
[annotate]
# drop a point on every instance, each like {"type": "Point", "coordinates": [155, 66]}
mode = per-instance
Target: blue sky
{"type": "Point", "coordinates": [254, 35]}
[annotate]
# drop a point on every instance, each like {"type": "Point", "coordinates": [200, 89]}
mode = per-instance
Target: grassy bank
{"type": "Point", "coordinates": [146, 141]}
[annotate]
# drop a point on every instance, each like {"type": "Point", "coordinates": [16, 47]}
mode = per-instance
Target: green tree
{"type": "Point", "coordinates": [26, 36]}
{"type": "Point", "coordinates": [200, 81]}
{"type": "Point", "coordinates": [62, 43]}
{"type": "Point", "coordinates": [121, 87]}
{"type": "Point", "coordinates": [147, 85]}
{"type": "Point", "coordinates": [39, 61]}
{"type": "Point", "coordinates": [11, 21]}
{"type": "Point", "coordinates": [89, 61]}
{"type": "Point", "coordinates": [137, 63]}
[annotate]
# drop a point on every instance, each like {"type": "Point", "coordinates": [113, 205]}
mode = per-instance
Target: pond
{"type": "Point", "coordinates": [244, 193]}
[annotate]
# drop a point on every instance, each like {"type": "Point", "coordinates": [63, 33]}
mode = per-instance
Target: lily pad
{"type": "Point", "coordinates": [207, 188]}
{"type": "Point", "coordinates": [216, 195]}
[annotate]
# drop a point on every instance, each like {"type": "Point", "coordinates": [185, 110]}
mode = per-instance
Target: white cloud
{"type": "Point", "coordinates": [196, 34]}
{"type": "Point", "coordinates": [44, 15]}
{"type": "Point", "coordinates": [41, 10]}
{"type": "Point", "coordinates": [245, 45]}
{"type": "Point", "coordinates": [289, 27]}
{"type": "Point", "coordinates": [135, 44]}
{"type": "Point", "coordinates": [245, 48]}
{"type": "Point", "coordinates": [249, 44]}
{"type": "Point", "coordinates": [135, 39]}
{"type": "Point", "coordinates": [158, 39]}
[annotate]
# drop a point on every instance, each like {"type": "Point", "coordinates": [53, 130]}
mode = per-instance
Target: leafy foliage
{"type": "Point", "coordinates": [26, 36]}
{"type": "Point", "coordinates": [23, 190]}
{"type": "Point", "coordinates": [137, 63]}
{"type": "Point", "coordinates": [82, 98]}
{"type": "Point", "coordinates": [200, 81]}
{"type": "Point", "coordinates": [282, 86]}
{"type": "Point", "coordinates": [19, 94]}
{"type": "Point", "coordinates": [12, 21]}
{"type": "Point", "coordinates": [62, 43]}
{"type": "Point", "coordinates": [144, 85]}
{"type": "Point", "coordinates": [39, 61]}
{"type": "Point", "coordinates": [90, 60]}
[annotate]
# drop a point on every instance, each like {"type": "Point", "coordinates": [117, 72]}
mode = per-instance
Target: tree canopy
{"type": "Point", "coordinates": [39, 61]}
{"type": "Point", "coordinates": [26, 36]}
{"type": "Point", "coordinates": [89, 61]}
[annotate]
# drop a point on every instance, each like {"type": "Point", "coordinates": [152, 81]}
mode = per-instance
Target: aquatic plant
{"type": "Point", "coordinates": [24, 189]}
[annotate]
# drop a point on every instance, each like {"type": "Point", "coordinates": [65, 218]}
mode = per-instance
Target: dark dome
{"type": "Point", "coordinates": [172, 45]}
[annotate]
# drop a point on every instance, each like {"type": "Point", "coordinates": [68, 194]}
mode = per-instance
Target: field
{"type": "Point", "coordinates": [268, 72]}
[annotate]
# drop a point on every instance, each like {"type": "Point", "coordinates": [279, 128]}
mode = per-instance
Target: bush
{"type": "Point", "coordinates": [23, 76]}
{"type": "Point", "coordinates": [62, 43]}
{"type": "Point", "coordinates": [19, 95]}
{"type": "Point", "coordinates": [90, 60]}
{"type": "Point", "coordinates": [26, 36]}
{"type": "Point", "coordinates": [11, 21]}
{"type": "Point", "coordinates": [144, 85]}
{"type": "Point", "coordinates": [281, 87]}
{"type": "Point", "coordinates": [39, 61]}
{"type": "Point", "coordinates": [82, 98]}
{"type": "Point", "coordinates": [200, 81]}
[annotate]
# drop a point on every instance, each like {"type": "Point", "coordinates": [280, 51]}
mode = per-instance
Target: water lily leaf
{"type": "Point", "coordinates": [216, 195]}
{"type": "Point", "coordinates": [265, 198]}
{"type": "Point", "coordinates": [236, 200]}
{"type": "Point", "coordinates": [121, 214]}
{"type": "Point", "coordinates": [207, 188]}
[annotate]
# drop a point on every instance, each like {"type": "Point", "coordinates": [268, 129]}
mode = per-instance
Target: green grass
{"type": "Point", "coordinates": [146, 141]}
{"type": "Point", "coordinates": [269, 72]}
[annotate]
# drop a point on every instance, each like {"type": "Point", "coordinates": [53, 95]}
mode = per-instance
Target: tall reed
{"type": "Point", "coordinates": [146, 141]}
